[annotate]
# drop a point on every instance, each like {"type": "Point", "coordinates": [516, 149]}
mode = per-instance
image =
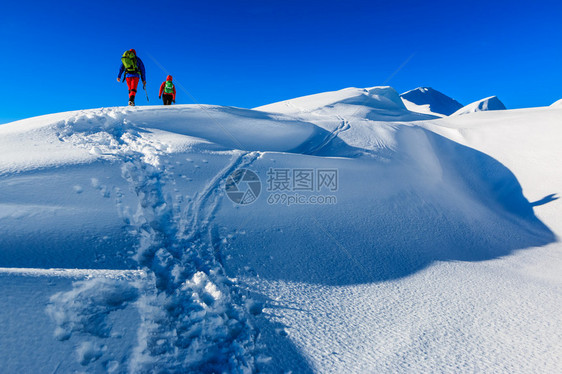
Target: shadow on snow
{"type": "Point", "coordinates": [457, 204]}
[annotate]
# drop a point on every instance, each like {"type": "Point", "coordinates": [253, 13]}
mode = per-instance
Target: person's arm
{"type": "Point", "coordinates": [142, 71]}
{"type": "Point", "coordinates": [121, 70]}
{"type": "Point", "coordinates": [161, 89]}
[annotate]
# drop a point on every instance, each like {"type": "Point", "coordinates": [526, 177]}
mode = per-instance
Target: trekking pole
{"type": "Point", "coordinates": [145, 91]}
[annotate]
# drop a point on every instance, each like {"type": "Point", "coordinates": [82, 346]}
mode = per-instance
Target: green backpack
{"type": "Point", "coordinates": [130, 62]}
{"type": "Point", "coordinates": [169, 87]}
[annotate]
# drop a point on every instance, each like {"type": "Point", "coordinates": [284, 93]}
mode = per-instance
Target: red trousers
{"type": "Point", "coordinates": [132, 83]}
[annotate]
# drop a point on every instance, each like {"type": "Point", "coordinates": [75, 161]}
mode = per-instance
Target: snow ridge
{"type": "Point", "coordinates": [380, 103]}
{"type": "Point", "coordinates": [489, 103]}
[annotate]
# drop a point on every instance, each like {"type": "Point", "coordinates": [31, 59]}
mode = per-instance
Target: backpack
{"type": "Point", "coordinates": [130, 62]}
{"type": "Point", "coordinates": [169, 87]}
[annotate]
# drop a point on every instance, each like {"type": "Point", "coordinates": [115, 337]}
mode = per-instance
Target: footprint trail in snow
{"type": "Point", "coordinates": [192, 316]}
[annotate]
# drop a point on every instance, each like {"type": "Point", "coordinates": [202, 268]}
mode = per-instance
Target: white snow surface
{"type": "Point", "coordinates": [488, 103]}
{"type": "Point", "coordinates": [120, 251]}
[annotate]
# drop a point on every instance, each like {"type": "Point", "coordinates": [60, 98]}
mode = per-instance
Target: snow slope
{"type": "Point", "coordinates": [429, 101]}
{"type": "Point", "coordinates": [489, 103]}
{"type": "Point", "coordinates": [119, 251]}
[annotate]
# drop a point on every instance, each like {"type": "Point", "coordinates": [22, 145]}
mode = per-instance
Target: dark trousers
{"type": "Point", "coordinates": [167, 99]}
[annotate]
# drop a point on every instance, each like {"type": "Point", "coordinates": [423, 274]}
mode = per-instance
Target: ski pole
{"type": "Point", "coordinates": [145, 91]}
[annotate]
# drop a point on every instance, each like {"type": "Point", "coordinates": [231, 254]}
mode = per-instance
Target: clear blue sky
{"type": "Point", "coordinates": [64, 55]}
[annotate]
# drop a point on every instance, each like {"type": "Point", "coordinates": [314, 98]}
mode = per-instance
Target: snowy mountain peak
{"type": "Point", "coordinates": [429, 101]}
{"type": "Point", "coordinates": [381, 97]}
{"type": "Point", "coordinates": [374, 103]}
{"type": "Point", "coordinates": [488, 103]}
{"type": "Point", "coordinates": [557, 103]}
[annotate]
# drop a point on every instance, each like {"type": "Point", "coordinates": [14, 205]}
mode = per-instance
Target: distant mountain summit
{"type": "Point", "coordinates": [429, 101]}
{"type": "Point", "coordinates": [489, 103]}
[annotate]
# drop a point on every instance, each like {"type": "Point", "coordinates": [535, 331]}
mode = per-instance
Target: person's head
{"type": "Point", "coordinates": [132, 50]}
{"type": "Point", "coordinates": [169, 78]}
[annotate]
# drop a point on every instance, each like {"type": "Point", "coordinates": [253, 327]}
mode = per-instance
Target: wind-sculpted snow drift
{"type": "Point", "coordinates": [188, 281]}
